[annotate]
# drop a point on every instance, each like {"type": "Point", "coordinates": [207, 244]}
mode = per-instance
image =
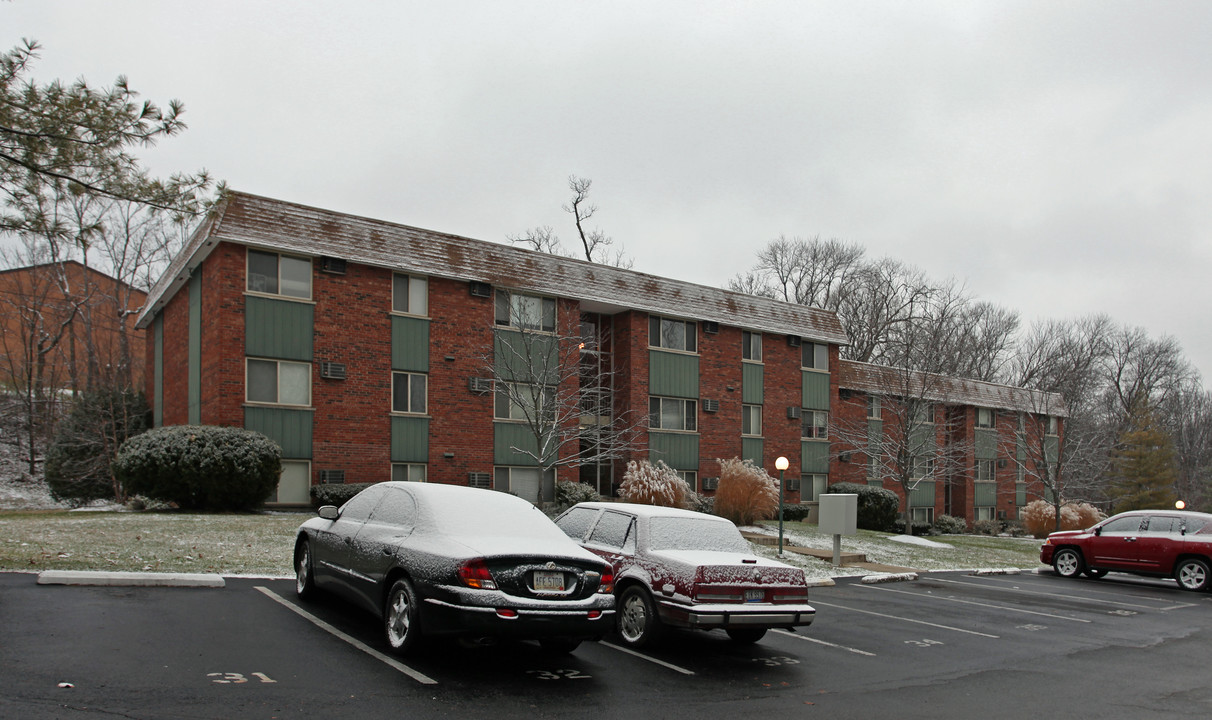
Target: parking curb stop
{"type": "Point", "coordinates": [888, 577]}
{"type": "Point", "coordinates": [129, 579]}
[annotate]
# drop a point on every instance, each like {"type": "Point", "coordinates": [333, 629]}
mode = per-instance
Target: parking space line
{"type": "Point", "coordinates": [1072, 597]}
{"type": "Point", "coordinates": [978, 604]}
{"type": "Point", "coordinates": [905, 619]}
{"type": "Point", "coordinates": [642, 656]}
{"type": "Point", "coordinates": [419, 677]}
{"type": "Point", "coordinates": [788, 633]}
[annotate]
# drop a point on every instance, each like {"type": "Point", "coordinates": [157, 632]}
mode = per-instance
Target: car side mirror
{"type": "Point", "coordinates": [1097, 530]}
{"type": "Point", "coordinates": [329, 512]}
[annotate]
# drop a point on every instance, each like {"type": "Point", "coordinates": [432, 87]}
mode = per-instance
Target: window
{"type": "Point", "coordinates": [922, 514]}
{"type": "Point", "coordinates": [984, 471]}
{"type": "Point", "coordinates": [922, 467]}
{"type": "Point", "coordinates": [577, 521]}
{"type": "Point", "coordinates": [409, 294]}
{"type": "Point", "coordinates": [294, 484]}
{"type": "Point", "coordinates": [615, 531]}
{"type": "Point", "coordinates": [814, 356]}
{"type": "Point", "coordinates": [985, 513]}
{"type": "Point", "coordinates": [1052, 423]}
{"type": "Point", "coordinates": [519, 401]}
{"type": "Point", "coordinates": [671, 334]}
{"type": "Point", "coordinates": [525, 312]}
{"type": "Point", "coordinates": [751, 419]}
{"type": "Point", "coordinates": [751, 346]}
{"type": "Point", "coordinates": [528, 483]}
{"type": "Point", "coordinates": [923, 413]}
{"type": "Point", "coordinates": [408, 392]}
{"type": "Point", "coordinates": [275, 274]}
{"type": "Point", "coordinates": [985, 417]}
{"type": "Point", "coordinates": [408, 472]}
{"type": "Point", "coordinates": [873, 469]}
{"type": "Point", "coordinates": [816, 485]}
{"type": "Point", "coordinates": [671, 414]}
{"type": "Point", "coordinates": [815, 424]}
{"type": "Point", "coordinates": [873, 407]}
{"type": "Point", "coordinates": [278, 382]}
{"type": "Point", "coordinates": [690, 476]}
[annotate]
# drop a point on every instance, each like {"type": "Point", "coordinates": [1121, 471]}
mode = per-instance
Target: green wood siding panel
{"type": "Point", "coordinates": [410, 439]}
{"type": "Point", "coordinates": [526, 357]}
{"type": "Point", "coordinates": [673, 375]}
{"type": "Point", "coordinates": [986, 494]}
{"type": "Point", "coordinates": [291, 429]}
{"type": "Point", "coordinates": [679, 451]}
{"type": "Point", "coordinates": [986, 444]}
{"type": "Point", "coordinates": [814, 456]}
{"type": "Point", "coordinates": [510, 435]}
{"type": "Point", "coordinates": [751, 449]}
{"type": "Point", "coordinates": [1052, 448]}
{"type": "Point", "coordinates": [875, 433]}
{"type": "Point", "coordinates": [922, 495]}
{"type": "Point", "coordinates": [922, 440]}
{"type": "Point", "coordinates": [278, 329]}
{"type": "Point", "coordinates": [158, 371]}
{"type": "Point", "coordinates": [195, 349]}
{"type": "Point", "coordinates": [753, 386]}
{"type": "Point", "coordinates": [816, 390]}
{"type": "Point", "coordinates": [409, 344]}
{"type": "Point", "coordinates": [1020, 494]}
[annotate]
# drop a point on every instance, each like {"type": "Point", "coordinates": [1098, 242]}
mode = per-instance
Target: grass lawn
{"type": "Point", "coordinates": [261, 543]}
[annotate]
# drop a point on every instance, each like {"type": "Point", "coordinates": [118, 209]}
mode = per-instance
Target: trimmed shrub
{"type": "Point", "coordinates": [569, 493]}
{"type": "Point", "coordinates": [80, 458]}
{"type": "Point", "coordinates": [700, 503]}
{"type": "Point", "coordinates": [795, 513]}
{"type": "Point", "coordinates": [950, 525]}
{"type": "Point", "coordinates": [746, 492]}
{"type": "Point", "coordinates": [335, 493]}
{"type": "Point", "coordinates": [650, 484]}
{"type": "Point", "coordinates": [919, 527]}
{"type": "Point", "coordinates": [988, 527]}
{"type": "Point", "coordinates": [201, 467]}
{"type": "Point", "coordinates": [877, 507]}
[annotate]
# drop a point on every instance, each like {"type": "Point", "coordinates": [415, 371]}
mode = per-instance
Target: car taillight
{"type": "Point", "coordinates": [475, 574]}
{"type": "Point", "coordinates": [790, 595]}
{"type": "Point", "coordinates": [717, 594]}
{"type": "Point", "coordinates": [606, 583]}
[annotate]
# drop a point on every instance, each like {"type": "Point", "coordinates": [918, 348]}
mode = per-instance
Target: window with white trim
{"type": "Point", "coordinates": [922, 514]}
{"type": "Point", "coordinates": [751, 346]}
{"type": "Point", "coordinates": [873, 407]}
{"type": "Point", "coordinates": [409, 294]}
{"type": "Point", "coordinates": [672, 334]}
{"type": "Point", "coordinates": [409, 392]}
{"type": "Point", "coordinates": [294, 484]}
{"type": "Point", "coordinates": [408, 472]}
{"type": "Point", "coordinates": [525, 312]}
{"type": "Point", "coordinates": [691, 477]}
{"type": "Point", "coordinates": [529, 483]}
{"type": "Point", "coordinates": [814, 356]}
{"type": "Point", "coordinates": [672, 414]}
{"type": "Point", "coordinates": [1052, 425]}
{"type": "Point", "coordinates": [519, 401]}
{"type": "Point", "coordinates": [985, 417]}
{"type": "Point", "coordinates": [277, 382]}
{"type": "Point", "coordinates": [274, 274]}
{"type": "Point", "coordinates": [814, 424]}
{"type": "Point", "coordinates": [985, 513]}
{"type": "Point", "coordinates": [816, 485]}
{"type": "Point", "coordinates": [985, 470]}
{"type": "Point", "coordinates": [921, 467]}
{"type": "Point", "coordinates": [751, 419]}
{"type": "Point", "coordinates": [923, 413]}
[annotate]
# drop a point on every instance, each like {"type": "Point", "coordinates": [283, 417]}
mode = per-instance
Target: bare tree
{"type": "Point", "coordinates": [1188, 415]}
{"type": "Point", "coordinates": [596, 244]}
{"type": "Point", "coordinates": [806, 272]}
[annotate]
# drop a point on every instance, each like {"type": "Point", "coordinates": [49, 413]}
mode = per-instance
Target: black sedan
{"type": "Point", "coordinates": [436, 560]}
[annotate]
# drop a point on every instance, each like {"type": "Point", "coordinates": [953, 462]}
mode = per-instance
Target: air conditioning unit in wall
{"type": "Point", "coordinates": [332, 477]}
{"type": "Point", "coordinates": [479, 386]}
{"type": "Point", "coordinates": [480, 289]}
{"type": "Point", "coordinates": [332, 370]}
{"type": "Point", "coordinates": [711, 327]}
{"type": "Point", "coordinates": [480, 480]}
{"type": "Point", "coordinates": [793, 340]}
{"type": "Point", "coordinates": [335, 266]}
{"type": "Point", "coordinates": [711, 483]}
{"type": "Point", "coordinates": [711, 406]}
{"type": "Point", "coordinates": [793, 412]}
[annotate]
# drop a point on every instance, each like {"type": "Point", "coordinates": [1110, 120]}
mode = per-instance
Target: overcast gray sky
{"type": "Point", "coordinates": [1056, 157]}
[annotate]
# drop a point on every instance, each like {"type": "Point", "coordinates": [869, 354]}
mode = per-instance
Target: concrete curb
{"type": "Point", "coordinates": [999, 571]}
{"type": "Point", "coordinates": [821, 582]}
{"type": "Point", "coordinates": [129, 579]}
{"type": "Point", "coordinates": [888, 577]}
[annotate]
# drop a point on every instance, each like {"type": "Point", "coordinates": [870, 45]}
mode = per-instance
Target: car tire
{"type": "Point", "coordinates": [1192, 574]}
{"type": "Point", "coordinates": [560, 645]}
{"type": "Point", "coordinates": [746, 636]}
{"type": "Point", "coordinates": [1095, 573]}
{"type": "Point", "coordinates": [638, 624]}
{"type": "Point", "coordinates": [305, 573]}
{"type": "Point", "coordinates": [401, 618]}
{"type": "Point", "coordinates": [1068, 562]}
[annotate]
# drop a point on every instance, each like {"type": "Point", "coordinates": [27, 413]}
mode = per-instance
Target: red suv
{"type": "Point", "coordinates": [1158, 543]}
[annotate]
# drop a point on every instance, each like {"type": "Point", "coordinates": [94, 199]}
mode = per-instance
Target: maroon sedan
{"type": "Point", "coordinates": [1158, 543]}
{"type": "Point", "coordinates": [687, 569]}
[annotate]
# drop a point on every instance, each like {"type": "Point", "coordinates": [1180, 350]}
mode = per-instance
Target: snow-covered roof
{"type": "Point", "coordinates": [648, 511]}
{"type": "Point", "coordinates": [287, 227]}
{"type": "Point", "coordinates": [885, 380]}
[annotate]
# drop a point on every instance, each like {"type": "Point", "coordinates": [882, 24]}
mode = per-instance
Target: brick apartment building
{"type": "Point", "coordinates": [372, 351]}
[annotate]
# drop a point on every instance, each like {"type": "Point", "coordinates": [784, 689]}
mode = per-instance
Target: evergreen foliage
{"type": "Point", "coordinates": [201, 467]}
{"type": "Point", "coordinates": [1143, 465]}
{"type": "Point", "coordinates": [80, 457]}
{"type": "Point", "coordinates": [335, 493]}
{"type": "Point", "coordinates": [877, 507]}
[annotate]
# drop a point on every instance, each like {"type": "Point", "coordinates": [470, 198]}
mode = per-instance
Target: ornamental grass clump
{"type": "Point", "coordinates": [746, 492]}
{"type": "Point", "coordinates": [1039, 517]}
{"type": "Point", "coordinates": [201, 467]}
{"type": "Point", "coordinates": [649, 484]}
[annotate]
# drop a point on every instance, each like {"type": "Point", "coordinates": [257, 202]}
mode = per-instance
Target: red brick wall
{"type": "Point", "coordinates": [719, 370]}
{"type": "Point", "coordinates": [176, 359]}
{"type": "Point", "coordinates": [631, 367]}
{"type": "Point", "coordinates": [222, 338]}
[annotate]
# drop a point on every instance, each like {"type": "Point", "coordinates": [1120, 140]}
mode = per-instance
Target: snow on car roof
{"type": "Point", "coordinates": [648, 511]}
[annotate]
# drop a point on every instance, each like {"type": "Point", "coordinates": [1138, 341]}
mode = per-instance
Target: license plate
{"type": "Point", "coordinates": [548, 581]}
{"type": "Point", "coordinates": [755, 595]}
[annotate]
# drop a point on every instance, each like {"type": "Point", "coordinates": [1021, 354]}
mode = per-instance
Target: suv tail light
{"type": "Point", "coordinates": [475, 574]}
{"type": "Point", "coordinates": [606, 583]}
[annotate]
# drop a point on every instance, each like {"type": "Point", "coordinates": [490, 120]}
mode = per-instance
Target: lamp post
{"type": "Point", "coordinates": [781, 463]}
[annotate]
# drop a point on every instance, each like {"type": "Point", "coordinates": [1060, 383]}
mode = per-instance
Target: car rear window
{"type": "Point", "coordinates": [676, 533]}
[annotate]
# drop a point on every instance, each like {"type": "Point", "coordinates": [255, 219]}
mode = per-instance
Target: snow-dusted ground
{"type": "Point", "coordinates": [20, 491]}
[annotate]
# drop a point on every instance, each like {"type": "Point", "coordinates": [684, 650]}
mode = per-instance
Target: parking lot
{"type": "Point", "coordinates": [945, 645]}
